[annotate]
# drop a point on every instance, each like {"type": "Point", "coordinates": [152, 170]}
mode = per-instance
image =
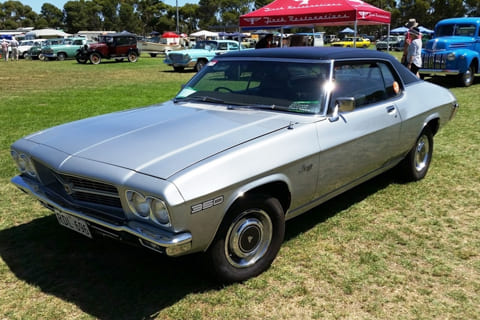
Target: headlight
{"type": "Point", "coordinates": [159, 211]}
{"type": "Point", "coordinates": [138, 204]}
{"type": "Point", "coordinates": [451, 56]}
{"type": "Point", "coordinates": [148, 208]}
{"type": "Point", "coordinates": [24, 163]}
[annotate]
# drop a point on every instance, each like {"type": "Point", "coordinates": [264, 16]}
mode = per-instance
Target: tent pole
{"type": "Point", "coordinates": [355, 34]}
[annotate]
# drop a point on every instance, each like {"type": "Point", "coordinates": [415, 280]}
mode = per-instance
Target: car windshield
{"type": "Point", "coordinates": [466, 30]}
{"type": "Point", "coordinates": [275, 85]}
{"type": "Point", "coordinates": [209, 45]}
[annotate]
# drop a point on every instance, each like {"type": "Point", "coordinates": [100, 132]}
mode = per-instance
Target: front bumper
{"type": "Point", "coordinates": [148, 236]}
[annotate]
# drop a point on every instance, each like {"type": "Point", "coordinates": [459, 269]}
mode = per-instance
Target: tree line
{"type": "Point", "coordinates": [144, 16]}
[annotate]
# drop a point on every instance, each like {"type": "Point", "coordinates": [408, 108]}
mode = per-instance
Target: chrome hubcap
{"type": "Point", "coordinates": [422, 153]}
{"type": "Point", "coordinates": [248, 238]}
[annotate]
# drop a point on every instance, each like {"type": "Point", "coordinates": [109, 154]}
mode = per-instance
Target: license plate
{"type": "Point", "coordinates": [73, 223]}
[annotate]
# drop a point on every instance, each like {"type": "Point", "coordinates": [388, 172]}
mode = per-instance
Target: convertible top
{"type": "Point", "coordinates": [324, 53]}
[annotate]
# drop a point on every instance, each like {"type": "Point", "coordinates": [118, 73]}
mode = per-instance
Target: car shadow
{"type": "Point", "coordinates": [110, 280]}
{"type": "Point", "coordinates": [449, 82]}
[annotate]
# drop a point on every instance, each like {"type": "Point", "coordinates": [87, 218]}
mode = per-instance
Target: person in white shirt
{"type": "Point", "coordinates": [14, 45]}
{"type": "Point", "coordinates": [414, 54]}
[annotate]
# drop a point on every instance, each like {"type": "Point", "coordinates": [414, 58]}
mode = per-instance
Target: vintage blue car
{"type": "Point", "coordinates": [200, 55]}
{"type": "Point", "coordinates": [254, 139]}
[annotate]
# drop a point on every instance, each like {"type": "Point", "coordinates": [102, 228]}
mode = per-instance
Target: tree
{"type": "Point", "coordinates": [51, 16]}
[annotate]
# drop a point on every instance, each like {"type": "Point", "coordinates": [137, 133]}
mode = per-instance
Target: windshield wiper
{"type": "Point", "coordinates": [200, 98]}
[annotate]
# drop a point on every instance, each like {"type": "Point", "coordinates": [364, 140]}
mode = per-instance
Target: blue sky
{"type": "Point", "coordinates": [36, 5]}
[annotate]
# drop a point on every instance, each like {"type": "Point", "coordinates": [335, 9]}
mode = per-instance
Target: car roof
{"type": "Point", "coordinates": [323, 53]}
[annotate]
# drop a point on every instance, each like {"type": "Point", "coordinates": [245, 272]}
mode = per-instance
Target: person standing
{"type": "Point", "coordinates": [412, 23]}
{"type": "Point", "coordinates": [14, 45]}
{"type": "Point", "coordinates": [5, 49]}
{"type": "Point", "coordinates": [414, 52]}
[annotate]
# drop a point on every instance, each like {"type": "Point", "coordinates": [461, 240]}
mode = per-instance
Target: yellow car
{"type": "Point", "coordinates": [348, 42]}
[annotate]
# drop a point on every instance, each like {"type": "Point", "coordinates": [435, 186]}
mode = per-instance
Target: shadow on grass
{"type": "Point", "coordinates": [110, 280]}
{"type": "Point", "coordinates": [329, 209]}
{"type": "Point", "coordinates": [105, 278]}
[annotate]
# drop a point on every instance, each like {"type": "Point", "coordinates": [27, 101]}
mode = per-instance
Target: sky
{"type": "Point", "coordinates": [36, 5]}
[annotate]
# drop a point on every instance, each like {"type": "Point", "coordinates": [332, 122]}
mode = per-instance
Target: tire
{"type": "Point", "coordinates": [200, 64]}
{"type": "Point", "coordinates": [41, 57]}
{"type": "Point", "coordinates": [415, 165]}
{"type": "Point", "coordinates": [248, 240]}
{"type": "Point", "coordinates": [95, 58]}
{"type": "Point", "coordinates": [153, 55]}
{"type": "Point", "coordinates": [61, 56]}
{"type": "Point", "coordinates": [81, 60]}
{"type": "Point", "coordinates": [466, 79]}
{"type": "Point", "coordinates": [132, 56]}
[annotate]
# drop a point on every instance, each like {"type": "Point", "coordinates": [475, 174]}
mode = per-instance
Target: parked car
{"type": "Point", "coordinates": [35, 51]}
{"type": "Point", "coordinates": [454, 50]}
{"type": "Point", "coordinates": [116, 46]}
{"type": "Point", "coordinates": [198, 56]}
{"type": "Point", "coordinates": [65, 50]}
{"type": "Point", "coordinates": [254, 139]}
{"type": "Point", "coordinates": [25, 46]}
{"type": "Point", "coordinates": [390, 43]}
{"type": "Point", "coordinates": [349, 43]}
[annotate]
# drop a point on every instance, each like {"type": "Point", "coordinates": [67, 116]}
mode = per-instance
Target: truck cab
{"type": "Point", "coordinates": [454, 50]}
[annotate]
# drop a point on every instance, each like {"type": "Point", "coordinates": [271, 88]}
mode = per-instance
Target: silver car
{"type": "Point", "coordinates": [254, 139]}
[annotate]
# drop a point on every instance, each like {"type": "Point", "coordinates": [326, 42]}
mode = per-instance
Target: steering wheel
{"type": "Point", "coordinates": [223, 88]}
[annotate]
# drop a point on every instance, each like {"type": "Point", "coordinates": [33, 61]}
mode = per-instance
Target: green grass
{"type": "Point", "coordinates": [384, 250]}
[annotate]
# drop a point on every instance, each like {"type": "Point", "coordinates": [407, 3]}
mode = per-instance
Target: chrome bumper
{"type": "Point", "coordinates": [148, 236]}
{"type": "Point", "coordinates": [437, 72]}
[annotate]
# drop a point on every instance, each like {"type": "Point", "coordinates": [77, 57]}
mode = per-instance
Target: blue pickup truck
{"type": "Point", "coordinates": [454, 50]}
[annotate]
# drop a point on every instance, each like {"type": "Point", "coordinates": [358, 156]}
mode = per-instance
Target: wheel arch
{"type": "Point", "coordinates": [276, 186]}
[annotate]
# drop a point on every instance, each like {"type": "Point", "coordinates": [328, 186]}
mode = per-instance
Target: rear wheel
{"type": "Point", "coordinates": [95, 58]}
{"type": "Point", "coordinates": [415, 165]}
{"type": "Point", "coordinates": [248, 239]}
{"type": "Point", "coordinates": [132, 56]}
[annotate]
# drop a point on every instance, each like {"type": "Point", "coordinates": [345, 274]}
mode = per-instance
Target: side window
{"type": "Point", "coordinates": [222, 46]}
{"type": "Point", "coordinates": [366, 82]}
{"type": "Point", "coordinates": [233, 46]}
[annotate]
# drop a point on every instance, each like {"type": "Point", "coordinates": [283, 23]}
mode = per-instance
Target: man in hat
{"type": "Point", "coordinates": [414, 52]}
{"type": "Point", "coordinates": [412, 23]}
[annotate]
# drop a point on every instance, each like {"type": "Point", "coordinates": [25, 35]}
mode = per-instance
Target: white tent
{"type": "Point", "coordinates": [204, 34]}
{"type": "Point", "coordinates": [46, 33]}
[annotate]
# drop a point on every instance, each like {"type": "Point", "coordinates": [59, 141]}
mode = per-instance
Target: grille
{"type": "Point", "coordinates": [434, 60]}
{"type": "Point", "coordinates": [176, 57]}
{"type": "Point", "coordinates": [85, 190]}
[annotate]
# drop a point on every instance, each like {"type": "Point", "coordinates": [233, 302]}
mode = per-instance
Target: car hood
{"type": "Point", "coordinates": [447, 43]}
{"type": "Point", "coordinates": [192, 52]}
{"type": "Point", "coordinates": [159, 140]}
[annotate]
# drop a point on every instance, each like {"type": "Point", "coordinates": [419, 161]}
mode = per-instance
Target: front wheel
{"type": "Point", "coordinates": [248, 239]}
{"type": "Point", "coordinates": [415, 165]}
{"type": "Point", "coordinates": [61, 56]}
{"type": "Point", "coordinates": [200, 64]}
{"type": "Point", "coordinates": [466, 78]}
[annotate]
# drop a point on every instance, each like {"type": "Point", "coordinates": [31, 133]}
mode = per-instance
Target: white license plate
{"type": "Point", "coordinates": [73, 223]}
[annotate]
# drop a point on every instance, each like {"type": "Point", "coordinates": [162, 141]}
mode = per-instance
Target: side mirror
{"type": "Point", "coordinates": [345, 104]}
{"type": "Point", "coordinates": [342, 104]}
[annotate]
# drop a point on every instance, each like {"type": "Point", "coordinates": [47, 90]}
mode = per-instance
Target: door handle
{"type": "Point", "coordinates": [390, 109]}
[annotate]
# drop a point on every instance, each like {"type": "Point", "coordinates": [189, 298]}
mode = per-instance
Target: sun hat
{"type": "Point", "coordinates": [411, 23]}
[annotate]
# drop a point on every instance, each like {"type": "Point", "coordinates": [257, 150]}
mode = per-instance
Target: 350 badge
{"type": "Point", "coordinates": [206, 204]}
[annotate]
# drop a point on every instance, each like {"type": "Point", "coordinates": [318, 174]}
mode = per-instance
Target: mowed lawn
{"type": "Point", "coordinates": [384, 250]}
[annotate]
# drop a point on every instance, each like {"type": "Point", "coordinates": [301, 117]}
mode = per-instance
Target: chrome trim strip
{"type": "Point", "coordinates": [149, 233]}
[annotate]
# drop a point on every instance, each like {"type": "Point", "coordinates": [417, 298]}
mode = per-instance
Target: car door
{"type": "Point", "coordinates": [361, 141]}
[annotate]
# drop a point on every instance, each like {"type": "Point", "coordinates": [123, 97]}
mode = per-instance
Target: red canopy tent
{"type": "Point", "coordinates": [288, 13]}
